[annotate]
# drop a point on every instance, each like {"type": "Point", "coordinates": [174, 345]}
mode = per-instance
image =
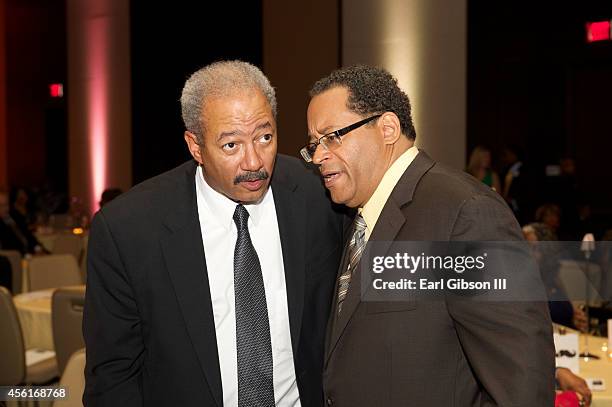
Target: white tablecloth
{"type": "Point", "coordinates": [34, 310]}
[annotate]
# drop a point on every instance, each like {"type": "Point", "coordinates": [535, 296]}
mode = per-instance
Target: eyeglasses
{"type": "Point", "coordinates": [331, 140]}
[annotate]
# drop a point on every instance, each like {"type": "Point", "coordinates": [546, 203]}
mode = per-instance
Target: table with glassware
{"type": "Point", "coordinates": [598, 368]}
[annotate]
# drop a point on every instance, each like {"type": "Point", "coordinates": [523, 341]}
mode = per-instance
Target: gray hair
{"type": "Point", "coordinates": [220, 79]}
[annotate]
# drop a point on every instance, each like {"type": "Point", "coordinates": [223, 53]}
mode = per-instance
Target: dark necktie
{"type": "Point", "coordinates": [355, 248]}
{"type": "Point", "coordinates": [255, 376]}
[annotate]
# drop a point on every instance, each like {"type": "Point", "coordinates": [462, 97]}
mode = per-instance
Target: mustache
{"type": "Point", "coordinates": [251, 176]}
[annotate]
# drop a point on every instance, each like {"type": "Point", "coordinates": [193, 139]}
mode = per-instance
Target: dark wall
{"type": "Point", "coordinates": [36, 123]}
{"type": "Point", "coordinates": [296, 56]}
{"type": "Point", "coordinates": [168, 43]}
{"type": "Point", "coordinates": [533, 81]}
{"type": "Point", "coordinates": [3, 167]}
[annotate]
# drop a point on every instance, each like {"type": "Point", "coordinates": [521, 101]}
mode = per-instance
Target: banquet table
{"type": "Point", "coordinates": [598, 369]}
{"type": "Point", "coordinates": [47, 240]}
{"type": "Point", "coordinates": [34, 310]}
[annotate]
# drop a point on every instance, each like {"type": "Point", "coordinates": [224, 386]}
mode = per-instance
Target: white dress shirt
{"type": "Point", "coordinates": [219, 235]}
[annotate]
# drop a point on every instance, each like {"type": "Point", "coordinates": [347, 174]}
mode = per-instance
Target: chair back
{"type": "Point", "coordinates": [53, 271]}
{"type": "Point", "coordinates": [14, 257]}
{"type": "Point", "coordinates": [73, 379]}
{"type": "Point", "coordinates": [68, 244]}
{"type": "Point", "coordinates": [67, 318]}
{"type": "Point", "coordinates": [12, 368]}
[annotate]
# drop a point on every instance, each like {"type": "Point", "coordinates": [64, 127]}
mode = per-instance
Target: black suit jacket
{"type": "Point", "coordinates": [10, 240]}
{"type": "Point", "coordinates": [148, 321]}
{"type": "Point", "coordinates": [440, 352]}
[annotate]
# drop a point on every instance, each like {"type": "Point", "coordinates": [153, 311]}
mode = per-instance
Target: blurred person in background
{"type": "Point", "coordinates": [550, 215]}
{"type": "Point", "coordinates": [5, 265]}
{"type": "Point", "coordinates": [546, 252]}
{"type": "Point", "coordinates": [564, 191]}
{"type": "Point", "coordinates": [13, 237]}
{"type": "Point", "coordinates": [20, 209]}
{"type": "Point", "coordinates": [6, 273]}
{"type": "Point", "coordinates": [479, 167]}
{"type": "Point", "coordinates": [568, 381]}
{"type": "Point", "coordinates": [108, 195]}
{"type": "Point", "coordinates": [519, 184]}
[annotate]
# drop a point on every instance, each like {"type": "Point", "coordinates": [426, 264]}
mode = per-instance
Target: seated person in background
{"type": "Point", "coordinates": [561, 310]}
{"type": "Point", "coordinates": [108, 195]}
{"type": "Point", "coordinates": [6, 276]}
{"type": "Point", "coordinates": [479, 167]}
{"type": "Point", "coordinates": [567, 381]}
{"type": "Point", "coordinates": [12, 237]}
{"type": "Point", "coordinates": [19, 209]}
{"type": "Point", "coordinates": [549, 215]}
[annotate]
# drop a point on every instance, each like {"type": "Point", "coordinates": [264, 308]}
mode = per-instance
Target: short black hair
{"type": "Point", "coordinates": [371, 90]}
{"type": "Point", "coordinates": [109, 194]}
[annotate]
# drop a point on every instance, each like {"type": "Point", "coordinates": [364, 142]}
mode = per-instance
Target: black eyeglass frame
{"type": "Point", "coordinates": [306, 150]}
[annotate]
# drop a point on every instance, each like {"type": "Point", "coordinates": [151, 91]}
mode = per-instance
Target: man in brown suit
{"type": "Point", "coordinates": [418, 353]}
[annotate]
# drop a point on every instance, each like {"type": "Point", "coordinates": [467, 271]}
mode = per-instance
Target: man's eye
{"type": "Point", "coordinates": [266, 138]}
{"type": "Point", "coordinates": [229, 146]}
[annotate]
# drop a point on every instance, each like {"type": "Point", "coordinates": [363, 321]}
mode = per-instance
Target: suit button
{"type": "Point", "coordinates": [330, 401]}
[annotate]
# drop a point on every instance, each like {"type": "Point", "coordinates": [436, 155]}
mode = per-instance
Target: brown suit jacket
{"type": "Point", "coordinates": [440, 353]}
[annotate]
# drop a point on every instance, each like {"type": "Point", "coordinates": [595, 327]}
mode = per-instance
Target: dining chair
{"type": "Point", "coordinates": [73, 379]}
{"type": "Point", "coordinates": [66, 320]}
{"type": "Point", "coordinates": [20, 367]}
{"type": "Point", "coordinates": [53, 271]}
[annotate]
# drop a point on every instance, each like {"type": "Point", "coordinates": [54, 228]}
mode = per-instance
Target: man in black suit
{"type": "Point", "coordinates": [210, 285]}
{"type": "Point", "coordinates": [435, 352]}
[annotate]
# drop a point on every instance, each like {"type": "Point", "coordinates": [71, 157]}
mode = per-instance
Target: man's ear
{"type": "Point", "coordinates": [391, 127]}
{"type": "Point", "coordinates": [193, 146]}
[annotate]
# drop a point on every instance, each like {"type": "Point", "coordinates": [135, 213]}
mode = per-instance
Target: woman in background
{"type": "Point", "coordinates": [479, 167]}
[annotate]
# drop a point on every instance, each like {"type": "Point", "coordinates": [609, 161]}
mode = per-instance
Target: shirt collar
{"type": "Point", "coordinates": [223, 208]}
{"type": "Point", "coordinates": [373, 208]}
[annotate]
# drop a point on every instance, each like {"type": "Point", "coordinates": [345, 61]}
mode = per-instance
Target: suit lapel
{"type": "Point", "coordinates": [391, 218]}
{"type": "Point", "coordinates": [291, 216]}
{"type": "Point", "coordinates": [332, 320]}
{"type": "Point", "coordinates": [393, 221]}
{"type": "Point", "coordinates": [183, 252]}
{"type": "Point", "coordinates": [390, 222]}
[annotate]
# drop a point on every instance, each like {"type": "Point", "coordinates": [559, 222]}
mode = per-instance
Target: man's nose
{"type": "Point", "coordinates": [252, 160]}
{"type": "Point", "coordinates": [321, 154]}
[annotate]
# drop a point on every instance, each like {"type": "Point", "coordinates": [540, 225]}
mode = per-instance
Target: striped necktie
{"type": "Point", "coordinates": [355, 248]}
